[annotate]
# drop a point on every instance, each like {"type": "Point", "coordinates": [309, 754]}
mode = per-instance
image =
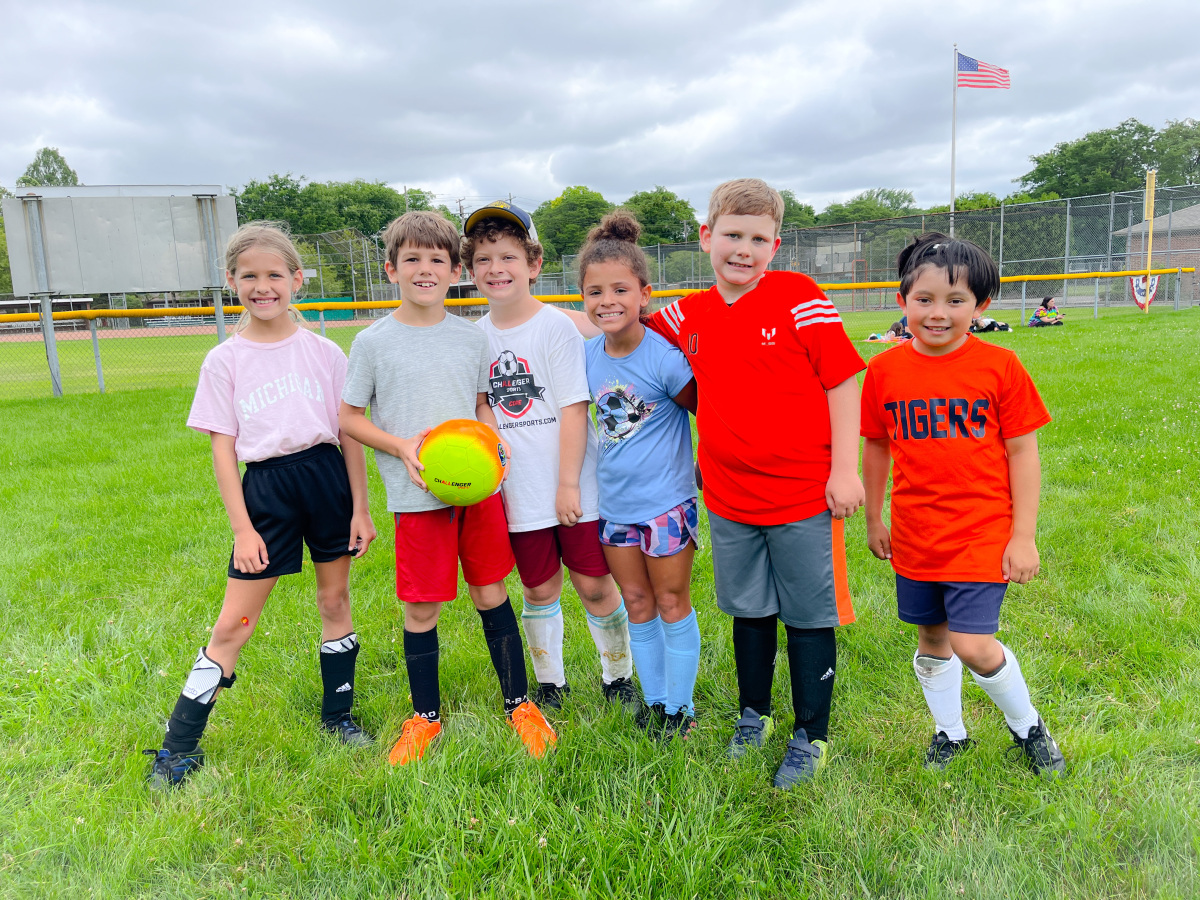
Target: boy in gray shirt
{"type": "Point", "coordinates": [415, 369]}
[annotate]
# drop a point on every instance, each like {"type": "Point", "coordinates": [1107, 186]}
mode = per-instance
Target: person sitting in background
{"type": "Point", "coordinates": [1046, 314]}
{"type": "Point", "coordinates": [981, 323]}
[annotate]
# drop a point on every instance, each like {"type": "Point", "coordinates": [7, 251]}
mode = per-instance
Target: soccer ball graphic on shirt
{"type": "Point", "coordinates": [464, 462]}
{"type": "Point", "coordinates": [619, 414]}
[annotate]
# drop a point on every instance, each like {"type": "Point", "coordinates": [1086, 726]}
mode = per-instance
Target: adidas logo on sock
{"type": "Point", "coordinates": [828, 674]}
{"type": "Point", "coordinates": [346, 687]}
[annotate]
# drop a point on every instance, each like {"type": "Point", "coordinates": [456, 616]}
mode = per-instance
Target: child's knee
{"type": "Point", "coordinates": [640, 602]}
{"type": "Point", "coordinates": [673, 606]}
{"type": "Point", "coordinates": [421, 616]}
{"type": "Point", "coordinates": [333, 602]}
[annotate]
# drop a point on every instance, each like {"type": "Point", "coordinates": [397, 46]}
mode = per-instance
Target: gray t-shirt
{"type": "Point", "coordinates": [415, 378]}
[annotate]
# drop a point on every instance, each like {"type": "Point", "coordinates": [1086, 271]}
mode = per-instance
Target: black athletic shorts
{"type": "Point", "coordinates": [301, 498]}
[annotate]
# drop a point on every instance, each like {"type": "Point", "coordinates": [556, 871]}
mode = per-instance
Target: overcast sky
{"type": "Point", "coordinates": [479, 100]}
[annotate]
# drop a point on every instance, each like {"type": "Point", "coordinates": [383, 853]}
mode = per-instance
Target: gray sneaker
{"type": "Point", "coordinates": [750, 733]}
{"type": "Point", "coordinates": [1040, 750]}
{"type": "Point", "coordinates": [802, 761]}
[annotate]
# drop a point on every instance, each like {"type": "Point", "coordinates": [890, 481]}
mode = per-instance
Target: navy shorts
{"type": "Point", "coordinates": [970, 607]}
{"type": "Point", "coordinates": [301, 498]}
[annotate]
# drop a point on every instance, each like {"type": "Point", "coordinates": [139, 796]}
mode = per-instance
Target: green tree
{"type": "Point", "coordinates": [1178, 153]}
{"type": "Point", "coordinates": [795, 213]}
{"type": "Point", "coordinates": [563, 223]}
{"type": "Point", "coordinates": [969, 200]}
{"type": "Point", "coordinates": [276, 199]}
{"type": "Point", "coordinates": [877, 203]}
{"type": "Point", "coordinates": [1112, 159]}
{"type": "Point", "coordinates": [666, 218]}
{"type": "Point", "coordinates": [48, 168]}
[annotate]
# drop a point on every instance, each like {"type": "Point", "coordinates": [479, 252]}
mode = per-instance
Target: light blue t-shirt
{"type": "Point", "coordinates": [645, 465]}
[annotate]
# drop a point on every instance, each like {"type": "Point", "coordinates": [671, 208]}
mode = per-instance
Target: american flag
{"type": "Point", "coordinates": [975, 74]}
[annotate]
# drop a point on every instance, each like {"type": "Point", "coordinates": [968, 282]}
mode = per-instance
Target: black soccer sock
{"type": "Point", "coordinates": [186, 725]}
{"type": "Point", "coordinates": [421, 659]}
{"type": "Point", "coordinates": [812, 660]}
{"type": "Point", "coordinates": [337, 676]}
{"type": "Point", "coordinates": [754, 645]}
{"type": "Point", "coordinates": [508, 653]}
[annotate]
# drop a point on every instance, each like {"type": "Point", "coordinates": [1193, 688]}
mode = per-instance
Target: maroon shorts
{"type": "Point", "coordinates": [541, 554]}
{"type": "Point", "coordinates": [430, 544]}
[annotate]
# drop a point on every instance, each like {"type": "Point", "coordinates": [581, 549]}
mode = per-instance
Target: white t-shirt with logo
{"type": "Point", "coordinates": [538, 368]}
{"type": "Point", "coordinates": [274, 399]}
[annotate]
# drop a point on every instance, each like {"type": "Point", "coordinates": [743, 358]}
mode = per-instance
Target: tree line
{"type": "Point", "coordinates": [1110, 159]}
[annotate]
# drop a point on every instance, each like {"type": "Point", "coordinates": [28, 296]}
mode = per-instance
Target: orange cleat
{"type": "Point", "coordinates": [533, 729]}
{"type": "Point", "coordinates": [415, 737]}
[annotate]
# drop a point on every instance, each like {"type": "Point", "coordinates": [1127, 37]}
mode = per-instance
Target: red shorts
{"type": "Point", "coordinates": [541, 554]}
{"type": "Point", "coordinates": [429, 545]}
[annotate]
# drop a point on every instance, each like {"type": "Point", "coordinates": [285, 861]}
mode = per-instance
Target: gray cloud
{"type": "Point", "coordinates": [478, 100]}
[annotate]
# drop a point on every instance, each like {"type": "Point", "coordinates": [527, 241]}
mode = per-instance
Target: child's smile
{"type": "Point", "coordinates": [939, 313]}
{"type": "Point", "coordinates": [614, 299]}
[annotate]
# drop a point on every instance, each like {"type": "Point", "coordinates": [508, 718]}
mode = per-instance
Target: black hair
{"type": "Point", "coordinates": [955, 257]}
{"type": "Point", "coordinates": [1046, 301]}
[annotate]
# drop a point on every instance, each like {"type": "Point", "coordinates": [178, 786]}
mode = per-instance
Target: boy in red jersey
{"type": "Point", "coordinates": [777, 416]}
{"type": "Point", "coordinates": [958, 417]}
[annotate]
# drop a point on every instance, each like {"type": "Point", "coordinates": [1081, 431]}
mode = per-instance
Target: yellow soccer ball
{"type": "Point", "coordinates": [464, 462]}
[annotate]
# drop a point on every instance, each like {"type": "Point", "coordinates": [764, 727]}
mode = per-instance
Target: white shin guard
{"type": "Point", "coordinates": [611, 635]}
{"type": "Point", "coordinates": [544, 635]}
{"type": "Point", "coordinates": [941, 682]}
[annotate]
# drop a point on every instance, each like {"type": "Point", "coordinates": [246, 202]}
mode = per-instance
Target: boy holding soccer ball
{"type": "Point", "coordinates": [777, 417]}
{"type": "Point", "coordinates": [417, 368]}
{"type": "Point", "coordinates": [957, 418]}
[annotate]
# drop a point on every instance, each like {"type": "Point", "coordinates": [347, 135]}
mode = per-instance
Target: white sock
{"type": "Point", "coordinates": [544, 635]}
{"type": "Point", "coordinates": [941, 681]}
{"type": "Point", "coordinates": [1008, 691]}
{"type": "Point", "coordinates": [611, 634]}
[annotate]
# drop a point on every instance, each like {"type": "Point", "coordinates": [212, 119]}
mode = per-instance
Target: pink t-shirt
{"type": "Point", "coordinates": [275, 399]}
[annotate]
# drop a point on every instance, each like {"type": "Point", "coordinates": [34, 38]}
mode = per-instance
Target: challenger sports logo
{"type": "Point", "coordinates": [511, 388]}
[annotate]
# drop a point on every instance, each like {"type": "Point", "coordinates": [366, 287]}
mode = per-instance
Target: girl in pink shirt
{"type": "Point", "coordinates": [268, 397]}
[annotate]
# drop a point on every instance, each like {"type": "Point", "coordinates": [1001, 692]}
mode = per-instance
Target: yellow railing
{"type": "Point", "coordinates": [546, 298]}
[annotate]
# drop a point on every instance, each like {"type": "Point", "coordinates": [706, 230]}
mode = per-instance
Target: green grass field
{"type": "Point", "coordinates": [113, 543]}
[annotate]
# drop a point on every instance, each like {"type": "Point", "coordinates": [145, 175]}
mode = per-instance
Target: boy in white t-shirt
{"type": "Point", "coordinates": [538, 388]}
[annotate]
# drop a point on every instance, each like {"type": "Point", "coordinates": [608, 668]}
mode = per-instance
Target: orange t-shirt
{"type": "Point", "coordinates": [945, 419]}
{"type": "Point", "coordinates": [762, 367]}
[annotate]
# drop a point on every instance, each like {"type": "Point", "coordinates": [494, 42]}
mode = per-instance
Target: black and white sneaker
{"type": "Point", "coordinates": [679, 726]}
{"type": "Point", "coordinates": [651, 719]}
{"type": "Point", "coordinates": [942, 750]}
{"type": "Point", "coordinates": [624, 692]}
{"type": "Point", "coordinates": [550, 695]}
{"type": "Point", "coordinates": [168, 770]}
{"type": "Point", "coordinates": [1041, 751]}
{"type": "Point", "coordinates": [347, 731]}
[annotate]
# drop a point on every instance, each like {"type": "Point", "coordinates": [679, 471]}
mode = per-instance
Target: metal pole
{"type": "Point", "coordinates": [96, 353]}
{"type": "Point", "coordinates": [321, 319]}
{"type": "Point", "coordinates": [1001, 237]}
{"type": "Point", "coordinates": [47, 312]}
{"type": "Point", "coordinates": [1112, 199]}
{"type": "Point", "coordinates": [1170, 213]}
{"type": "Point", "coordinates": [320, 271]}
{"type": "Point", "coordinates": [353, 283]}
{"type": "Point", "coordinates": [1024, 284]}
{"type": "Point", "coordinates": [367, 270]}
{"type": "Point", "coordinates": [1128, 241]}
{"type": "Point", "coordinates": [1067, 252]}
{"type": "Point", "coordinates": [1178, 279]}
{"type": "Point", "coordinates": [219, 307]}
{"type": "Point", "coordinates": [1096, 303]}
{"type": "Point", "coordinates": [953, 134]}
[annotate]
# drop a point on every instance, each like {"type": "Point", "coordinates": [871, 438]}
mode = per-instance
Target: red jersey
{"type": "Point", "coordinates": [762, 367]}
{"type": "Point", "coordinates": [945, 419]}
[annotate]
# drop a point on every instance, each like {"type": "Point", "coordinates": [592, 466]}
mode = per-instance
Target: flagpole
{"type": "Point", "coordinates": [953, 136]}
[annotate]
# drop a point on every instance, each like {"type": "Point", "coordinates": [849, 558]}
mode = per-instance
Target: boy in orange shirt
{"type": "Point", "coordinates": [777, 415]}
{"type": "Point", "coordinates": [958, 418]}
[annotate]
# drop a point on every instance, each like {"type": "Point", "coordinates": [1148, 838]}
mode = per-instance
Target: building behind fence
{"type": "Point", "coordinates": [1101, 233]}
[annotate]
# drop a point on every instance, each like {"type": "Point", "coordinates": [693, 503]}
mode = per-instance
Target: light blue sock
{"type": "Point", "coordinates": [682, 641]}
{"type": "Point", "coordinates": [649, 658]}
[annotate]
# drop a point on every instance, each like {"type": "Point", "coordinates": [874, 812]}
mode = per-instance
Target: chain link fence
{"type": "Point", "coordinates": [165, 346]}
{"type": "Point", "coordinates": [1102, 233]}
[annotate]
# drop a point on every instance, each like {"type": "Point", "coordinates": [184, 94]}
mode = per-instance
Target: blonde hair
{"type": "Point", "coordinates": [615, 240]}
{"type": "Point", "coordinates": [272, 237]}
{"type": "Point", "coordinates": [745, 197]}
{"type": "Point", "coordinates": [422, 228]}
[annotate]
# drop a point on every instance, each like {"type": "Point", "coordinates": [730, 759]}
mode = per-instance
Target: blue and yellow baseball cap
{"type": "Point", "coordinates": [502, 209]}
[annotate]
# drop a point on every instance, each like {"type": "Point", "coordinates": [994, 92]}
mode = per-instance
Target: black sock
{"type": "Point", "coordinates": [186, 725]}
{"type": "Point", "coordinates": [508, 653]}
{"type": "Point", "coordinates": [421, 659]}
{"type": "Point", "coordinates": [812, 659]}
{"type": "Point", "coordinates": [754, 645]}
{"type": "Point", "coordinates": [337, 676]}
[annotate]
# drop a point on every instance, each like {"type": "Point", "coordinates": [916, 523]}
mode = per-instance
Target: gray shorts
{"type": "Point", "coordinates": [796, 570]}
